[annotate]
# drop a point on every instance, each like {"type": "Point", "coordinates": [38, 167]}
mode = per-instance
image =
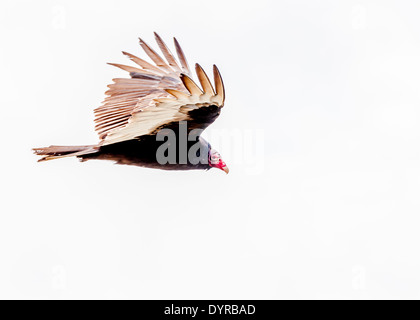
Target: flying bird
{"type": "Point", "coordinates": [139, 112]}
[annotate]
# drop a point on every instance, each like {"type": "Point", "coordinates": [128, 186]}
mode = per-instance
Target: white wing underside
{"type": "Point", "coordinates": [154, 96]}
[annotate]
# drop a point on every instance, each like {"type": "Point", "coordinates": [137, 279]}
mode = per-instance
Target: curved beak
{"type": "Point", "coordinates": [225, 169]}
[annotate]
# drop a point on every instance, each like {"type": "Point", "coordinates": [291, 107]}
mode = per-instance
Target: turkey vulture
{"type": "Point", "coordinates": [135, 121]}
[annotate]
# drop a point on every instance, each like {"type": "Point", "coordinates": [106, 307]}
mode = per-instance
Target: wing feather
{"type": "Point", "coordinates": [115, 120]}
{"type": "Point", "coordinates": [167, 53]}
{"type": "Point", "coordinates": [154, 56]}
{"type": "Point", "coordinates": [191, 85]}
{"type": "Point", "coordinates": [204, 80]}
{"type": "Point", "coordinates": [129, 68]}
{"type": "Point", "coordinates": [220, 88]}
{"type": "Point", "coordinates": [177, 94]}
{"type": "Point", "coordinates": [182, 58]}
{"type": "Point", "coordinates": [144, 64]}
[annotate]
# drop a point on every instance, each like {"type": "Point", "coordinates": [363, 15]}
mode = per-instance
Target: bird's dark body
{"type": "Point", "coordinates": [142, 152]}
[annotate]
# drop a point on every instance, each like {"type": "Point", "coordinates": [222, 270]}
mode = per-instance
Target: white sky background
{"type": "Point", "coordinates": [325, 205]}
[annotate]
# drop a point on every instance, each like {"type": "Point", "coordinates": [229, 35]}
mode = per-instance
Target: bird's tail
{"type": "Point", "coordinates": [56, 152]}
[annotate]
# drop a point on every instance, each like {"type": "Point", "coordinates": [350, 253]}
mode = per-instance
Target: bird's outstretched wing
{"type": "Point", "coordinates": [156, 96]}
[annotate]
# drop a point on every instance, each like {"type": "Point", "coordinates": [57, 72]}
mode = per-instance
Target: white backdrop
{"type": "Point", "coordinates": [320, 131]}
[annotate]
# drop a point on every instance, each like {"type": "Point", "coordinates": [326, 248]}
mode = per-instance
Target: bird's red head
{"type": "Point", "coordinates": [215, 161]}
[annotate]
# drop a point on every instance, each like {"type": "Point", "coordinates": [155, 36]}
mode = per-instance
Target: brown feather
{"type": "Point", "coordinates": [116, 120]}
{"type": "Point", "coordinates": [177, 94]}
{"type": "Point", "coordinates": [167, 53]}
{"type": "Point", "coordinates": [106, 130]}
{"type": "Point", "coordinates": [190, 85]}
{"type": "Point", "coordinates": [204, 80]}
{"type": "Point", "coordinates": [220, 88]}
{"type": "Point", "coordinates": [144, 64]}
{"type": "Point", "coordinates": [106, 118]}
{"type": "Point", "coordinates": [182, 57]}
{"type": "Point", "coordinates": [127, 68]}
{"type": "Point", "coordinates": [154, 56]}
